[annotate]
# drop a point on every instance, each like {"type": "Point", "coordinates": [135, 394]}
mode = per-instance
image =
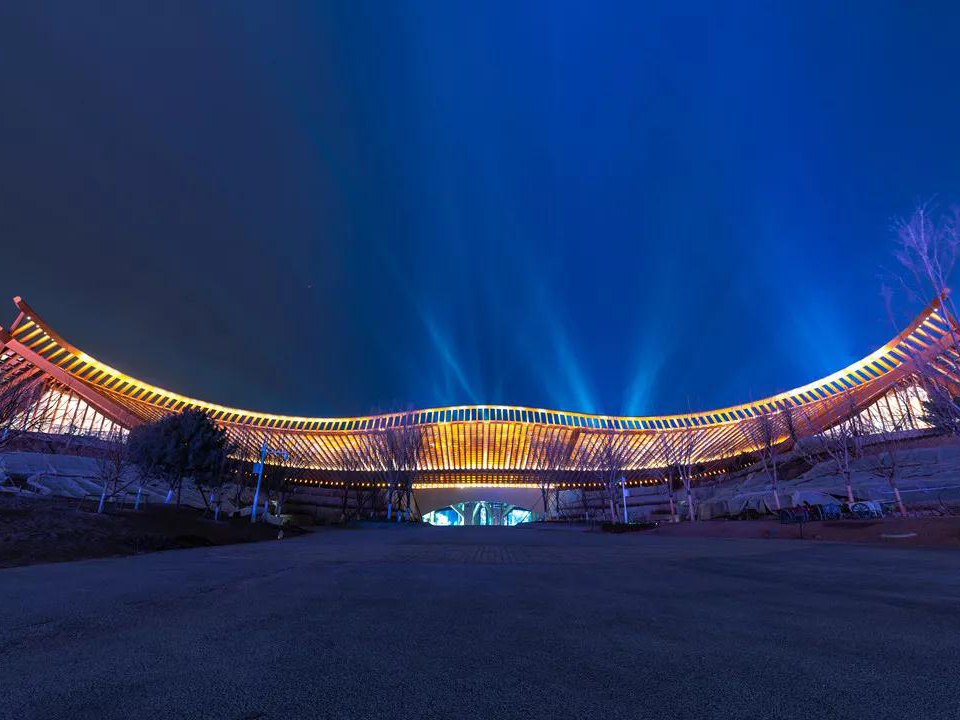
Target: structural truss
{"type": "Point", "coordinates": [469, 443]}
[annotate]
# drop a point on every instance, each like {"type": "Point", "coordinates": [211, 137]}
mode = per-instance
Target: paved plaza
{"type": "Point", "coordinates": [423, 622]}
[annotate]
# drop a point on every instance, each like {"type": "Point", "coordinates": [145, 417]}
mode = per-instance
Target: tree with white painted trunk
{"type": "Point", "coordinates": [890, 422]}
{"type": "Point", "coordinates": [114, 468]}
{"type": "Point", "coordinates": [668, 477]}
{"type": "Point", "coordinates": [606, 453]}
{"type": "Point", "coordinates": [187, 444]}
{"type": "Point", "coordinates": [394, 451]}
{"type": "Point", "coordinates": [551, 453]}
{"type": "Point", "coordinates": [211, 480]}
{"type": "Point", "coordinates": [678, 450]}
{"type": "Point", "coordinates": [766, 433]}
{"type": "Point", "coordinates": [841, 442]}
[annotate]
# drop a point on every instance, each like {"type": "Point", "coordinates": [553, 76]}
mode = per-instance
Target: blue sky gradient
{"type": "Point", "coordinates": [332, 208]}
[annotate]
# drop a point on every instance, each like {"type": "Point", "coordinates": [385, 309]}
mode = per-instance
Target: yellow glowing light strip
{"type": "Point", "coordinates": [479, 484]}
{"type": "Point", "coordinates": [722, 416]}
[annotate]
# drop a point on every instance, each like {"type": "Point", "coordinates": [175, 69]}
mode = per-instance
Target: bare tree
{"type": "Point", "coordinates": [21, 407]}
{"type": "Point", "coordinates": [583, 471]}
{"type": "Point", "coordinates": [678, 448]}
{"type": "Point", "coordinates": [841, 442]}
{"type": "Point", "coordinates": [844, 441]}
{"type": "Point", "coordinates": [886, 458]}
{"type": "Point", "coordinates": [606, 453]}
{"type": "Point", "coordinates": [395, 454]}
{"type": "Point", "coordinates": [799, 427]}
{"type": "Point", "coordinates": [927, 248]}
{"type": "Point", "coordinates": [244, 447]}
{"type": "Point", "coordinates": [766, 433]}
{"type": "Point", "coordinates": [552, 461]}
{"type": "Point", "coordinates": [667, 474]}
{"type": "Point", "coordinates": [352, 458]}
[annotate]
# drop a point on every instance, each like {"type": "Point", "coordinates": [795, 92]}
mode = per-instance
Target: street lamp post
{"type": "Point", "coordinates": [265, 450]}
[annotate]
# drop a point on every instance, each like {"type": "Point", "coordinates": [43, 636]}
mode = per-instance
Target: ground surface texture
{"type": "Point", "coordinates": [892, 530]}
{"type": "Point", "coordinates": [56, 529]}
{"type": "Point", "coordinates": [422, 622]}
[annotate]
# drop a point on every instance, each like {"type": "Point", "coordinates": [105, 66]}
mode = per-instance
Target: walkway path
{"type": "Point", "coordinates": [427, 622]}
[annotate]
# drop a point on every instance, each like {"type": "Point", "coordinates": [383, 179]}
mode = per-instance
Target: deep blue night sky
{"type": "Point", "coordinates": [332, 208]}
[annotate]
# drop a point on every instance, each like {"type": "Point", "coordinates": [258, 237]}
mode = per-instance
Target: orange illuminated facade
{"type": "Point", "coordinates": [464, 445]}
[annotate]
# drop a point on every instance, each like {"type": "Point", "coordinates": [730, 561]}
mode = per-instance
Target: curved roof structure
{"type": "Point", "coordinates": [494, 444]}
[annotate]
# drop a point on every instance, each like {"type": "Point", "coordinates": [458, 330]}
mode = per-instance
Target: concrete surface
{"type": "Point", "coordinates": [420, 622]}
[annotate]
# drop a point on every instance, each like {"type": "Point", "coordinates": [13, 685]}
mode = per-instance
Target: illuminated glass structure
{"type": "Point", "coordinates": [481, 512]}
{"type": "Point", "coordinates": [469, 445]}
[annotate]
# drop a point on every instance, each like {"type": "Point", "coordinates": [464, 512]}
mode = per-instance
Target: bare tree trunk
{"type": "Point", "coordinates": [686, 484]}
{"type": "Point", "coordinates": [673, 507]}
{"type": "Point", "coordinates": [776, 481]}
{"type": "Point", "coordinates": [207, 502]}
{"type": "Point", "coordinates": [343, 501]}
{"type": "Point", "coordinates": [896, 493]}
{"type": "Point", "coordinates": [766, 432]}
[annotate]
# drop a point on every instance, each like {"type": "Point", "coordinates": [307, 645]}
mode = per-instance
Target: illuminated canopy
{"type": "Point", "coordinates": [468, 443]}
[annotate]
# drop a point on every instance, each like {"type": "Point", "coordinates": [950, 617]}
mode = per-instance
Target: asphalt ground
{"type": "Point", "coordinates": [422, 622]}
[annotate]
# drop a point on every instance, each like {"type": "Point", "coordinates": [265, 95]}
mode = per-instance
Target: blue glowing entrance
{"type": "Point", "coordinates": [481, 512]}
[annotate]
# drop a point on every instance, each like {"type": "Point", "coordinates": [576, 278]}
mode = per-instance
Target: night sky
{"type": "Point", "coordinates": [332, 208]}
